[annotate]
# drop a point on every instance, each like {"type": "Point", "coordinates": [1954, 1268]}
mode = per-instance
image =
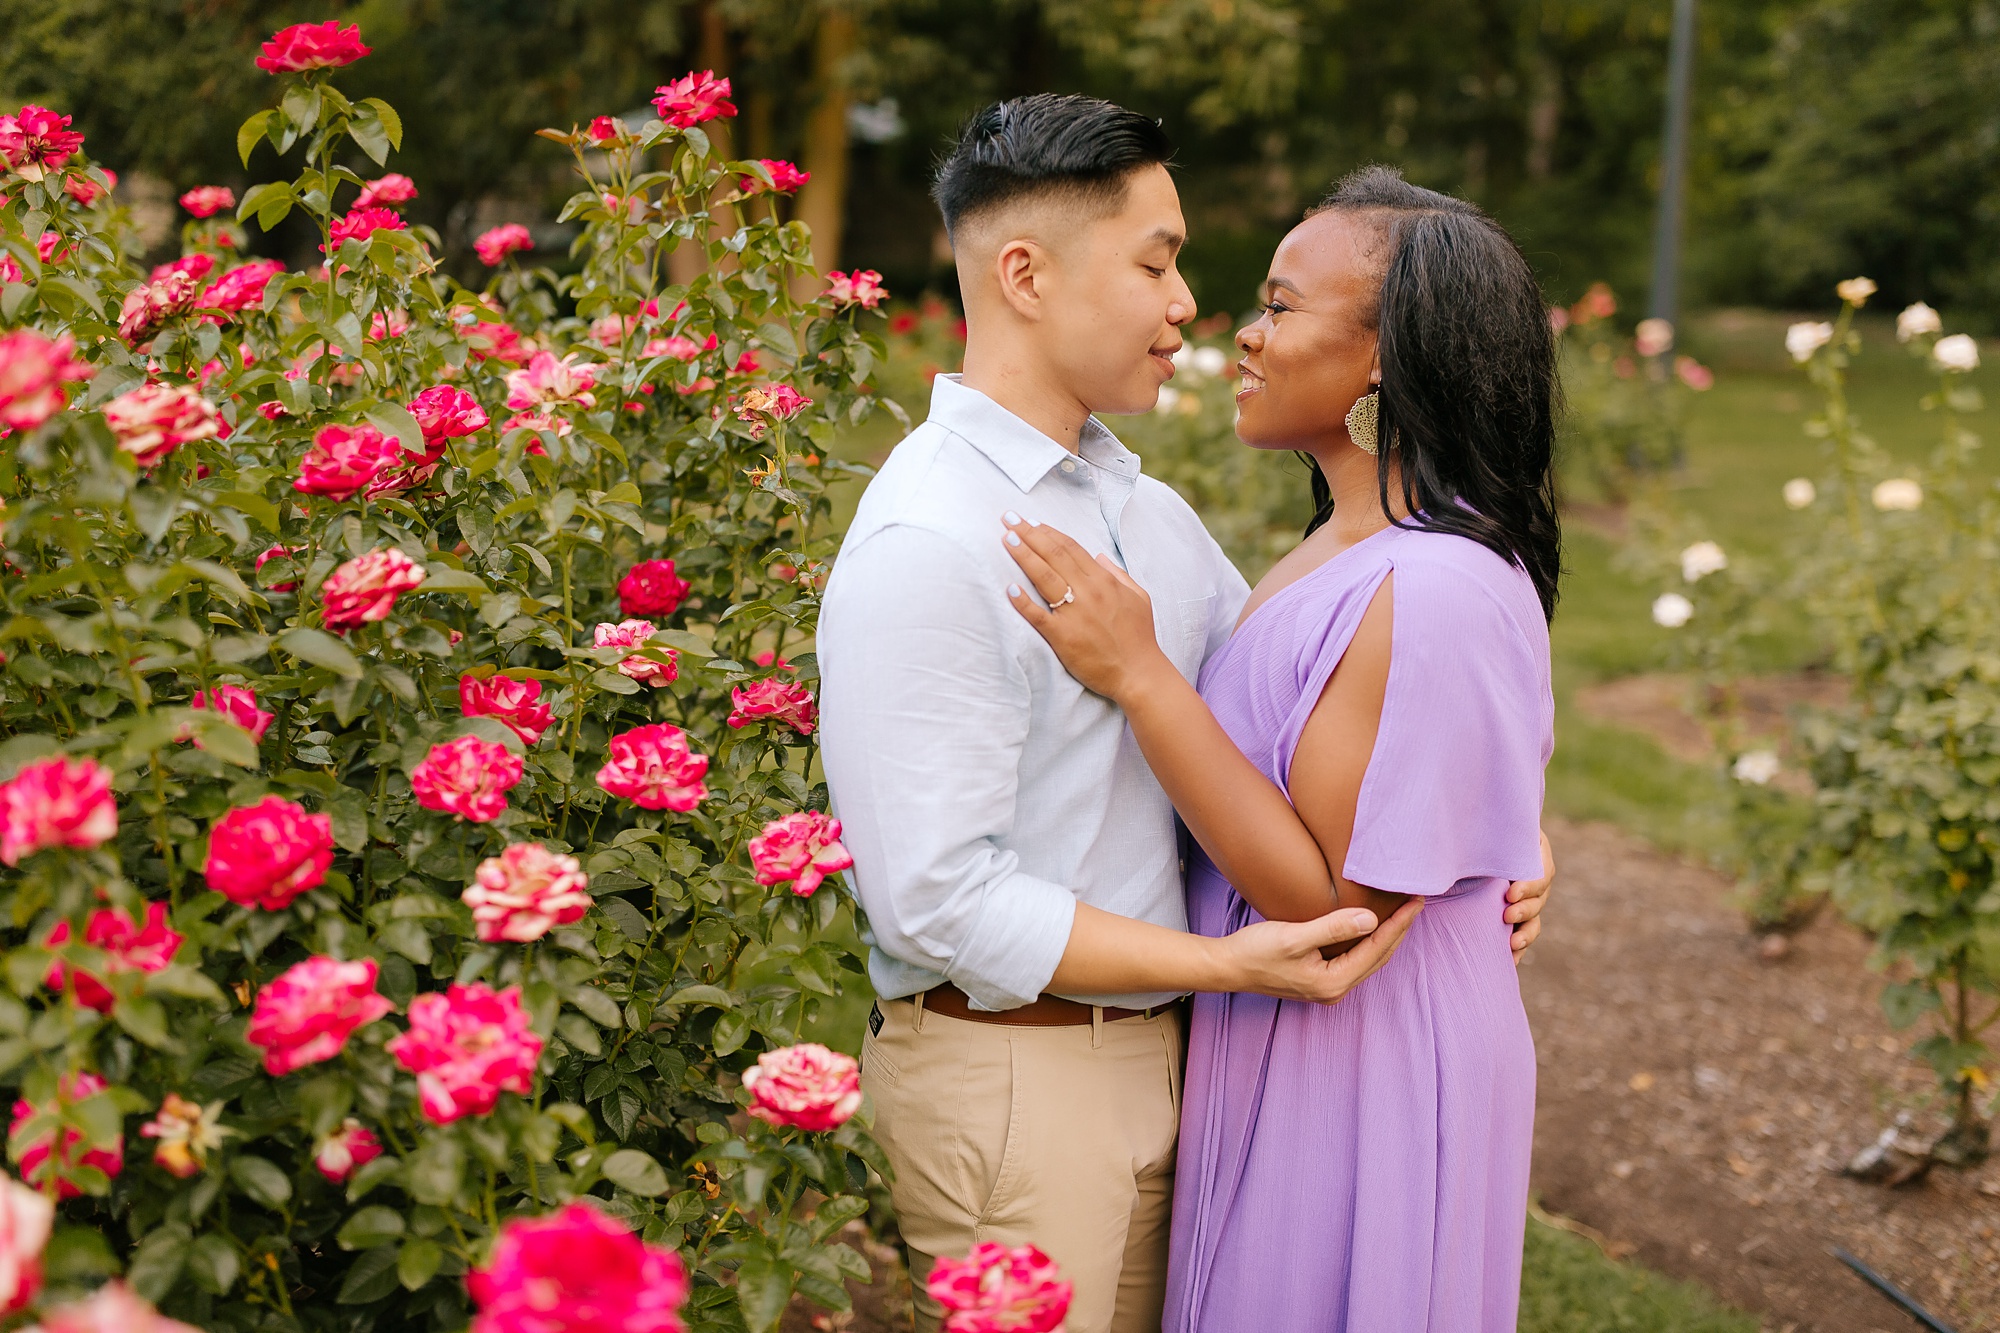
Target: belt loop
{"type": "Point", "coordinates": [1096, 1026]}
{"type": "Point", "coordinates": [917, 1023]}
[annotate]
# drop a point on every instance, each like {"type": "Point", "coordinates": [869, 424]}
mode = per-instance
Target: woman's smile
{"type": "Point", "coordinates": [1251, 381]}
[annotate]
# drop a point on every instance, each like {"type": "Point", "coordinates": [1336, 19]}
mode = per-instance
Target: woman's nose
{"type": "Point", "coordinates": [1251, 337]}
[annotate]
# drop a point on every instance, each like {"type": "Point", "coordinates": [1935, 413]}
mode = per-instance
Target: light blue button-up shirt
{"type": "Point", "coordinates": [985, 793]}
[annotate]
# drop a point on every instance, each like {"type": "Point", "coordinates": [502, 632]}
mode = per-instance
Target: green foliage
{"type": "Point", "coordinates": [1624, 410]}
{"type": "Point", "coordinates": [128, 589]}
{"type": "Point", "coordinates": [1568, 1286]}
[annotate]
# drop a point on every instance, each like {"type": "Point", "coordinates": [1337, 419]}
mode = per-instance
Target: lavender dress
{"type": "Point", "coordinates": [1364, 1168]}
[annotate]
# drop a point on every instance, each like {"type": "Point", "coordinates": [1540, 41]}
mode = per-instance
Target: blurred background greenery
{"type": "Point", "coordinates": [1829, 137]}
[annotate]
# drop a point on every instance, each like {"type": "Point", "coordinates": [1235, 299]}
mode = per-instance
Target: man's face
{"type": "Point", "coordinates": [1113, 300]}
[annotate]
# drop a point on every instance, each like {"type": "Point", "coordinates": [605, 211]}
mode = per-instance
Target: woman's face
{"type": "Point", "coordinates": [1312, 352]}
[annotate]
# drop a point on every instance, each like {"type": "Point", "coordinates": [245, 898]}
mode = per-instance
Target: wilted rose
{"type": "Point", "coordinates": [805, 1086]}
{"type": "Point", "coordinates": [184, 1132]}
{"type": "Point", "coordinates": [267, 854]}
{"type": "Point", "coordinates": [767, 403]}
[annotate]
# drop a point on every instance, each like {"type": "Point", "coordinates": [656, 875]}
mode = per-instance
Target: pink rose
{"type": "Point", "coordinates": [604, 129]}
{"type": "Point", "coordinates": [785, 177]}
{"type": "Point", "coordinates": [33, 371]}
{"type": "Point", "coordinates": [364, 590]}
{"type": "Point", "coordinates": [361, 223]}
{"type": "Point", "coordinates": [651, 588]}
{"type": "Point", "coordinates": [197, 266]}
{"type": "Point", "coordinates": [509, 701]}
{"type": "Point", "coordinates": [267, 854]}
{"type": "Point", "coordinates": [151, 304]}
{"type": "Point", "coordinates": [782, 701]}
{"type": "Point", "coordinates": [241, 287]}
{"type": "Point", "coordinates": [466, 1047]}
{"type": "Point", "coordinates": [635, 634]}
{"type": "Point", "coordinates": [1000, 1290]}
{"type": "Point", "coordinates": [237, 704]}
{"type": "Point", "coordinates": [680, 347]}
{"type": "Point", "coordinates": [340, 1153]}
{"type": "Point", "coordinates": [805, 1086]}
{"type": "Point", "coordinates": [205, 201]}
{"type": "Point", "coordinates": [1694, 374]}
{"type": "Point", "coordinates": [112, 1308]}
{"type": "Point", "coordinates": [35, 1153]}
{"type": "Point", "coordinates": [307, 1013]}
{"type": "Point", "coordinates": [83, 189]}
{"type": "Point", "coordinates": [49, 247]}
{"type": "Point", "coordinates": [652, 767]}
{"type": "Point", "coordinates": [863, 287]}
{"type": "Point", "coordinates": [547, 381]}
{"type": "Point", "coordinates": [132, 948]}
{"type": "Point", "coordinates": [467, 777]}
{"type": "Point", "coordinates": [153, 420]}
{"type": "Point", "coordinates": [278, 553]}
{"type": "Point", "coordinates": [386, 324]}
{"type": "Point", "coordinates": [344, 460]}
{"type": "Point", "coordinates": [446, 413]}
{"type": "Point", "coordinates": [525, 892]}
{"type": "Point", "coordinates": [495, 341]}
{"type": "Point", "coordinates": [768, 403]}
{"type": "Point", "coordinates": [693, 99]}
{"type": "Point", "coordinates": [305, 46]}
{"type": "Point", "coordinates": [56, 802]}
{"type": "Point", "coordinates": [10, 270]}
{"type": "Point", "coordinates": [803, 848]}
{"type": "Point", "coordinates": [494, 245]}
{"type": "Point", "coordinates": [394, 188]}
{"type": "Point", "coordinates": [26, 1219]}
{"type": "Point", "coordinates": [578, 1271]}
{"type": "Point", "coordinates": [537, 421]}
{"type": "Point", "coordinates": [37, 140]}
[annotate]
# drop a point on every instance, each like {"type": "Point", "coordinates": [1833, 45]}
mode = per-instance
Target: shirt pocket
{"type": "Point", "coordinates": [1191, 643]}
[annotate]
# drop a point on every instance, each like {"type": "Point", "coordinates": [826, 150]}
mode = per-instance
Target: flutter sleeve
{"type": "Point", "coordinates": [1454, 788]}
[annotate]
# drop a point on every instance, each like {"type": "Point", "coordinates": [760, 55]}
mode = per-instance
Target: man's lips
{"type": "Point", "coordinates": [1165, 356]}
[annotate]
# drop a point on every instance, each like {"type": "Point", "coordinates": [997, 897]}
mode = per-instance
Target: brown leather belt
{"type": "Point", "coordinates": [1048, 1011]}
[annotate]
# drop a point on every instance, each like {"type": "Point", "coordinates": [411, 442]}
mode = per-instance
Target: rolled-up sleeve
{"type": "Point", "coordinates": [923, 714]}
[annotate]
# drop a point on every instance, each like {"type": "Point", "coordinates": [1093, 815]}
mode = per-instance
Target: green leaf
{"type": "Point", "coordinates": [392, 123]}
{"type": "Point", "coordinates": [408, 938]}
{"type": "Point", "coordinates": [628, 919]}
{"type": "Point", "coordinates": [179, 980]}
{"type": "Point", "coordinates": [370, 1227]}
{"type": "Point", "coordinates": [395, 419]}
{"type": "Point", "coordinates": [763, 1289]}
{"type": "Point", "coordinates": [322, 650]}
{"type": "Point", "coordinates": [213, 1264]}
{"type": "Point", "coordinates": [78, 1253]}
{"type": "Point", "coordinates": [146, 1019]}
{"type": "Point", "coordinates": [324, 1102]}
{"type": "Point", "coordinates": [439, 577]}
{"type": "Point", "coordinates": [249, 132]}
{"type": "Point", "coordinates": [156, 1265]}
{"type": "Point", "coordinates": [348, 808]}
{"type": "Point", "coordinates": [581, 1033]}
{"type": "Point", "coordinates": [436, 1169]}
{"type": "Point", "coordinates": [372, 1277]}
{"type": "Point", "coordinates": [418, 1261]}
{"type": "Point", "coordinates": [1905, 1002]}
{"type": "Point", "coordinates": [224, 739]}
{"type": "Point", "coordinates": [261, 1180]}
{"type": "Point", "coordinates": [731, 1031]}
{"type": "Point", "coordinates": [630, 1169]}
{"type": "Point", "coordinates": [600, 1008]}
{"type": "Point", "coordinates": [371, 1175]}
{"type": "Point", "coordinates": [621, 1110]}
{"type": "Point", "coordinates": [267, 195]}
{"type": "Point", "coordinates": [714, 995]}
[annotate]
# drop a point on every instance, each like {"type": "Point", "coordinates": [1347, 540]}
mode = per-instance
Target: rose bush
{"type": "Point", "coordinates": [1895, 567]}
{"type": "Point", "coordinates": [448, 914]}
{"type": "Point", "coordinates": [1625, 397]}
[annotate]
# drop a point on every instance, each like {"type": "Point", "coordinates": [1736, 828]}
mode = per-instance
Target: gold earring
{"type": "Point", "coordinates": [1362, 419]}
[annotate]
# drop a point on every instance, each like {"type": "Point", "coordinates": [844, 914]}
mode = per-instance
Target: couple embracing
{"type": "Point", "coordinates": [1034, 658]}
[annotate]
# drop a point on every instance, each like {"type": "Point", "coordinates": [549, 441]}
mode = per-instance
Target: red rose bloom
{"type": "Point", "coordinates": [651, 588]}
{"type": "Point", "coordinates": [267, 854]}
{"type": "Point", "coordinates": [692, 99]}
{"type": "Point", "coordinates": [205, 201]}
{"type": "Point", "coordinates": [305, 46]}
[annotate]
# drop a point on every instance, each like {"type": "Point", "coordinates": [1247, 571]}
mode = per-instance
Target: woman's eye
{"type": "Point", "coordinates": [1275, 307]}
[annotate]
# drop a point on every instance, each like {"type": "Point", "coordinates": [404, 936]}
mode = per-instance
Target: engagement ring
{"type": "Point", "coordinates": [1069, 595]}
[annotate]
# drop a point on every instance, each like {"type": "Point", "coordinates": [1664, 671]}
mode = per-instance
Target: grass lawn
{"type": "Point", "coordinates": [1568, 1286]}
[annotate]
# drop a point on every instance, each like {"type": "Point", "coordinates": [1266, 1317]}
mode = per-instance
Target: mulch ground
{"type": "Point", "coordinates": [1697, 1101]}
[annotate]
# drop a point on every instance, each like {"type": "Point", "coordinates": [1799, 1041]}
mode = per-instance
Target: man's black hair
{"type": "Point", "coordinates": [1047, 144]}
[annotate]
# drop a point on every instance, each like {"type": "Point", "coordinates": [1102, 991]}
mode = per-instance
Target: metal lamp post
{"type": "Point", "coordinates": [1665, 302]}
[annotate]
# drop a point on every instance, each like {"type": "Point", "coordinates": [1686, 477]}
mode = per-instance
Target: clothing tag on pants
{"type": "Point", "coordinates": [875, 1020]}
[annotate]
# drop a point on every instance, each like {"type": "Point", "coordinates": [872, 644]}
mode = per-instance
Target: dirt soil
{"type": "Point", "coordinates": [1697, 1101]}
{"type": "Point", "coordinates": [1659, 705]}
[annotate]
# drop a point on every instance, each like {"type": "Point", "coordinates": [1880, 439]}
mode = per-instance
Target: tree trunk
{"type": "Point", "coordinates": [688, 260]}
{"type": "Point", "coordinates": [822, 204]}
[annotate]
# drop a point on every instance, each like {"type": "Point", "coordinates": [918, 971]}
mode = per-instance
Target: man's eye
{"type": "Point", "coordinates": [1156, 272]}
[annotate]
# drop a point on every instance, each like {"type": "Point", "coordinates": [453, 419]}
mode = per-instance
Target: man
{"type": "Point", "coordinates": [1018, 862]}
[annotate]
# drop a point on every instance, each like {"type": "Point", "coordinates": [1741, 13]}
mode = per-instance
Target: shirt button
{"type": "Point", "coordinates": [1069, 465]}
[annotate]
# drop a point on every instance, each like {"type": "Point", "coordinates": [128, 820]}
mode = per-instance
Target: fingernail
{"type": "Point", "coordinates": [1013, 590]}
{"type": "Point", "coordinates": [1013, 539]}
{"type": "Point", "coordinates": [1010, 518]}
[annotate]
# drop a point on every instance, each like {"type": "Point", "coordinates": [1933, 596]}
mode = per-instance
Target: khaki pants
{"type": "Point", "coordinates": [1059, 1136]}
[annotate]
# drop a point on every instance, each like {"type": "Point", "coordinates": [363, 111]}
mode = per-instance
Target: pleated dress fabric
{"type": "Point", "coordinates": [1363, 1168]}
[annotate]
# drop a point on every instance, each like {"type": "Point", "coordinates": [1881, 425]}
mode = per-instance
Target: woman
{"type": "Point", "coordinates": [1383, 711]}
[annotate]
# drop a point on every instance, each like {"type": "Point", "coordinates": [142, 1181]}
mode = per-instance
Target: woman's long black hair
{"type": "Point", "coordinates": [1469, 387]}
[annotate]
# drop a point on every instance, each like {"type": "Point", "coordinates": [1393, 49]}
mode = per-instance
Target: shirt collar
{"type": "Point", "coordinates": [1011, 444]}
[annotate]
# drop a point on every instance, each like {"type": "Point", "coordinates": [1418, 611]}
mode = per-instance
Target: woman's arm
{"type": "Point", "coordinates": [1277, 861]}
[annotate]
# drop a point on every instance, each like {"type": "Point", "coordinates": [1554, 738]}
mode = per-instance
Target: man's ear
{"type": "Point", "coordinates": [1018, 268]}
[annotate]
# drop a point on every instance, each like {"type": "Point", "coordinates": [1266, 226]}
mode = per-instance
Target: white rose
{"type": "Point", "coordinates": [1957, 352]}
{"type": "Point", "coordinates": [1701, 560]}
{"type": "Point", "coordinates": [1916, 321]}
{"type": "Point", "coordinates": [1898, 493]}
{"type": "Point", "coordinates": [1653, 337]}
{"type": "Point", "coordinates": [1210, 360]}
{"type": "Point", "coordinates": [25, 1219]}
{"type": "Point", "coordinates": [1169, 398]}
{"type": "Point", "coordinates": [1671, 610]}
{"type": "Point", "coordinates": [1855, 291]}
{"type": "Point", "coordinates": [1800, 493]}
{"type": "Point", "coordinates": [1183, 357]}
{"type": "Point", "coordinates": [1802, 340]}
{"type": "Point", "coordinates": [1756, 767]}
